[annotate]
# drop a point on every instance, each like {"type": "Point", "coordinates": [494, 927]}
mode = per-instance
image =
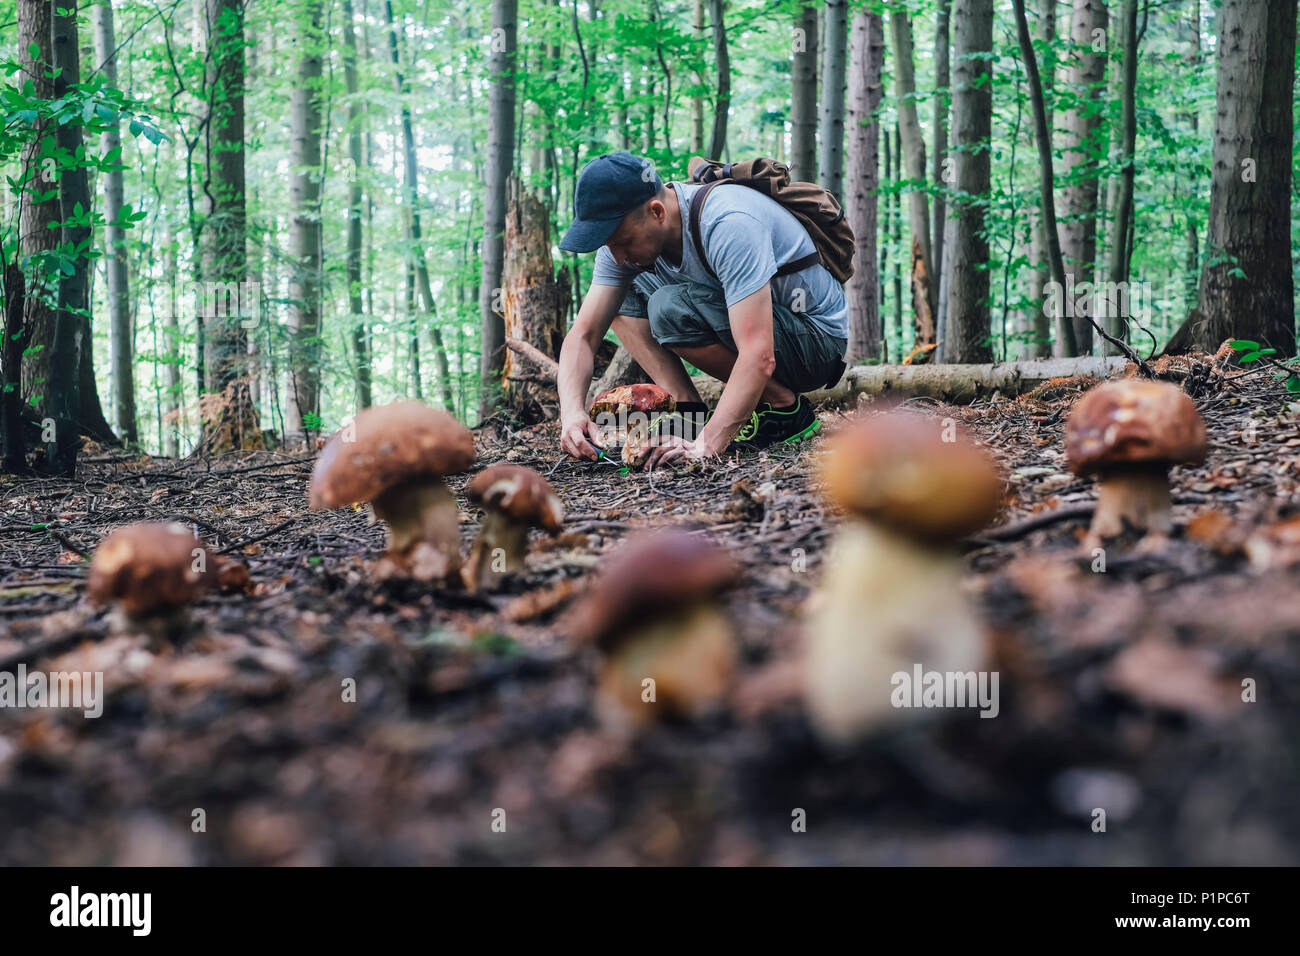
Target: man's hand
{"type": "Point", "coordinates": [671, 449]}
{"type": "Point", "coordinates": [580, 438]}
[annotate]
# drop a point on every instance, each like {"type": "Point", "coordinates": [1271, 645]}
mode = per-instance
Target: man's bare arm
{"type": "Point", "coordinates": [578, 434]}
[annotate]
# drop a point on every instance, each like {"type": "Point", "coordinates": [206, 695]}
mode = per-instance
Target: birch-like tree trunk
{"type": "Point", "coordinates": [122, 357]}
{"type": "Point", "coordinates": [939, 125]}
{"type": "Point", "coordinates": [1086, 78]}
{"type": "Point", "coordinates": [924, 291]}
{"type": "Point", "coordinates": [1122, 220]}
{"type": "Point", "coordinates": [501, 138]}
{"type": "Point", "coordinates": [356, 116]}
{"type": "Point", "coordinates": [866, 55]}
{"type": "Point", "coordinates": [303, 412]}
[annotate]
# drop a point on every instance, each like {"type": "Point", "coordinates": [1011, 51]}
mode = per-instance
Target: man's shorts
{"type": "Point", "coordinates": [687, 313]}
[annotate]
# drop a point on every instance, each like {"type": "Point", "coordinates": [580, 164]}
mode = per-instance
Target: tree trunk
{"type": "Point", "coordinates": [803, 100]}
{"type": "Point", "coordinates": [303, 413]}
{"type": "Point", "coordinates": [172, 404]}
{"type": "Point", "coordinates": [74, 188]}
{"type": "Point", "coordinates": [1117, 325]}
{"type": "Point", "coordinates": [830, 172]}
{"type": "Point", "coordinates": [360, 342]}
{"type": "Point", "coordinates": [924, 294]}
{"type": "Point", "coordinates": [1086, 78]}
{"type": "Point", "coordinates": [972, 121]}
{"type": "Point", "coordinates": [533, 310]}
{"type": "Point", "coordinates": [50, 372]}
{"type": "Point", "coordinates": [1040, 344]}
{"type": "Point", "coordinates": [722, 91]}
{"type": "Point", "coordinates": [1246, 286]}
{"type": "Point", "coordinates": [13, 438]}
{"type": "Point", "coordinates": [866, 55]}
{"type": "Point", "coordinates": [501, 137]}
{"type": "Point", "coordinates": [122, 356]}
{"type": "Point", "coordinates": [697, 101]}
{"type": "Point", "coordinates": [229, 303]}
{"type": "Point", "coordinates": [939, 122]}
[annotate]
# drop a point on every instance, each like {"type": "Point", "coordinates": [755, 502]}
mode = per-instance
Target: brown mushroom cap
{"type": "Point", "coordinates": [1133, 422]}
{"type": "Point", "coordinates": [633, 398]}
{"type": "Point", "coordinates": [896, 470]}
{"type": "Point", "coordinates": [519, 493]}
{"type": "Point", "coordinates": [652, 574]}
{"type": "Point", "coordinates": [149, 566]}
{"type": "Point", "coordinates": [384, 447]}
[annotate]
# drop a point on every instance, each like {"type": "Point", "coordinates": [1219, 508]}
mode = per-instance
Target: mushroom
{"type": "Point", "coordinates": [514, 499]}
{"type": "Point", "coordinates": [152, 571]}
{"type": "Point", "coordinates": [1128, 433]}
{"type": "Point", "coordinates": [652, 613]}
{"type": "Point", "coordinates": [632, 407]}
{"type": "Point", "coordinates": [395, 457]}
{"type": "Point", "coordinates": [891, 594]}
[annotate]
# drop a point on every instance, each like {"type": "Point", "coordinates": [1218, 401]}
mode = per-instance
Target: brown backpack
{"type": "Point", "coordinates": [816, 208]}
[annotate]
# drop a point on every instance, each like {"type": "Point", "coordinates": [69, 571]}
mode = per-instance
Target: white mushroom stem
{"type": "Point", "coordinates": [688, 653]}
{"type": "Point", "coordinates": [1138, 495]}
{"type": "Point", "coordinates": [887, 604]}
{"type": "Point", "coordinates": [498, 550]}
{"type": "Point", "coordinates": [422, 517]}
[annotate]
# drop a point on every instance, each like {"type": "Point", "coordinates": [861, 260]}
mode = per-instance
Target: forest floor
{"type": "Point", "coordinates": [1120, 690]}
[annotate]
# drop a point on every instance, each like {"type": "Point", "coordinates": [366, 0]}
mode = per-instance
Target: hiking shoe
{"type": "Point", "coordinates": [769, 426]}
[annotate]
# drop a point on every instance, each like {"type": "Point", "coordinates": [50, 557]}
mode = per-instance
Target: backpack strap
{"type": "Point", "coordinates": [697, 206]}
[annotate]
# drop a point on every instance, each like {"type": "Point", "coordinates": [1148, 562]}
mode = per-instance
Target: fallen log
{"type": "Point", "coordinates": [957, 384]}
{"type": "Point", "coordinates": [534, 355]}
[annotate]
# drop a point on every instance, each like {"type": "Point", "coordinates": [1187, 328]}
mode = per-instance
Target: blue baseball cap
{"type": "Point", "coordinates": [609, 187]}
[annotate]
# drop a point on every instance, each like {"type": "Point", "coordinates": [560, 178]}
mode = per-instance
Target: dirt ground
{"type": "Point", "coordinates": [1120, 689]}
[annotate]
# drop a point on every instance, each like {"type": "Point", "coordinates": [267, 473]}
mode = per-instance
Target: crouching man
{"type": "Point", "coordinates": [761, 314]}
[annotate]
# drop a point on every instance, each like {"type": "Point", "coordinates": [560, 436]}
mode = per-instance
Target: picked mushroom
{"type": "Point", "coordinates": [1128, 433]}
{"type": "Point", "coordinates": [668, 646]}
{"type": "Point", "coordinates": [395, 457]}
{"type": "Point", "coordinates": [152, 571]}
{"type": "Point", "coordinates": [514, 499]}
{"type": "Point", "coordinates": [633, 407]}
{"type": "Point", "coordinates": [891, 595]}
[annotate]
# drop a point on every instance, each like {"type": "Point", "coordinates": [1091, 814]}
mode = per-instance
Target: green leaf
{"type": "Point", "coordinates": [1267, 351]}
{"type": "Point", "coordinates": [1249, 357]}
{"type": "Point", "coordinates": [1243, 345]}
{"type": "Point", "coordinates": [135, 127]}
{"type": "Point", "coordinates": [34, 51]}
{"type": "Point", "coordinates": [1293, 384]}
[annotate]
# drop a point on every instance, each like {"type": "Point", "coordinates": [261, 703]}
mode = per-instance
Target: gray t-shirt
{"type": "Point", "coordinates": [747, 237]}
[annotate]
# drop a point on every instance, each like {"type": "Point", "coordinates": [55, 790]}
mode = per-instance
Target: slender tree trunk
{"type": "Point", "coordinates": [356, 116]}
{"type": "Point", "coordinates": [803, 100]}
{"type": "Point", "coordinates": [830, 172]}
{"type": "Point", "coordinates": [972, 122]}
{"type": "Point", "coordinates": [303, 416]}
{"type": "Point", "coordinates": [722, 91]}
{"type": "Point", "coordinates": [1117, 324]}
{"type": "Point", "coordinates": [172, 405]}
{"type": "Point", "coordinates": [939, 123]}
{"type": "Point", "coordinates": [230, 416]}
{"type": "Point", "coordinates": [924, 293]}
{"type": "Point", "coordinates": [1040, 343]}
{"type": "Point", "coordinates": [122, 355]}
{"type": "Point", "coordinates": [866, 55]}
{"type": "Point", "coordinates": [1247, 290]}
{"type": "Point", "coordinates": [1086, 79]}
{"type": "Point", "coordinates": [501, 136]}
{"type": "Point", "coordinates": [697, 101]}
{"type": "Point", "coordinates": [1192, 258]}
